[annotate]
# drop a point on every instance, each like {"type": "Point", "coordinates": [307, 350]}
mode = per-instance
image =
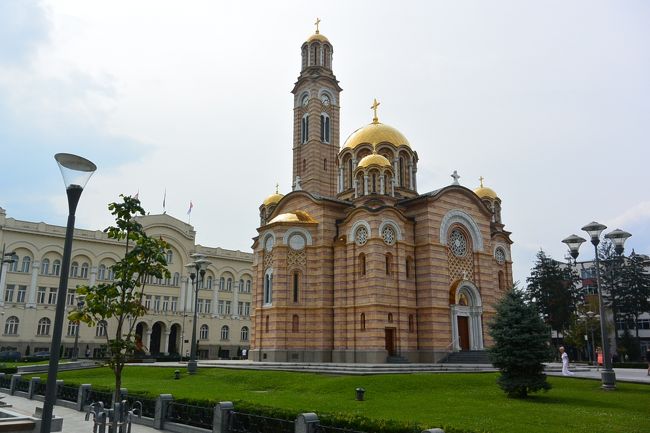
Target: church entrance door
{"type": "Point", "coordinates": [463, 332]}
{"type": "Point", "coordinates": [390, 341]}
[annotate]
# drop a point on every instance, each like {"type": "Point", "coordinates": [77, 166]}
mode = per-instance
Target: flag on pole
{"type": "Point", "coordinates": [164, 200]}
{"type": "Point", "coordinates": [189, 211]}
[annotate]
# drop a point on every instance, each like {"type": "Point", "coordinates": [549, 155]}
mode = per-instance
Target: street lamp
{"type": "Point", "coordinates": [80, 305]}
{"type": "Point", "coordinates": [618, 237]}
{"type": "Point", "coordinates": [10, 258]}
{"type": "Point", "coordinates": [199, 265]}
{"type": "Point", "coordinates": [76, 172]}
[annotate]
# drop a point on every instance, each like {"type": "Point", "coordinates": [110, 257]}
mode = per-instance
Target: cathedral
{"type": "Point", "coordinates": [354, 265]}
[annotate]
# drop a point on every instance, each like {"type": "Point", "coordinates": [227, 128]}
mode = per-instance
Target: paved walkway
{"type": "Point", "coordinates": [73, 421]}
{"type": "Point", "coordinates": [635, 375]}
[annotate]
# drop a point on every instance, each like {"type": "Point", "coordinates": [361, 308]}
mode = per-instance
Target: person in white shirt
{"type": "Point", "coordinates": [565, 363]}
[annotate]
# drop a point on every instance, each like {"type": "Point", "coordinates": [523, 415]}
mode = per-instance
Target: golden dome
{"type": "Point", "coordinates": [374, 158]}
{"type": "Point", "coordinates": [376, 133]}
{"type": "Point", "coordinates": [299, 216]}
{"type": "Point", "coordinates": [317, 37]}
{"type": "Point", "coordinates": [273, 199]}
{"type": "Point", "coordinates": [484, 191]}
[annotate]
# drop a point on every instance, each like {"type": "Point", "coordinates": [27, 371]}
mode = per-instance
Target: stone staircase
{"type": "Point", "coordinates": [396, 359]}
{"type": "Point", "coordinates": [468, 357]}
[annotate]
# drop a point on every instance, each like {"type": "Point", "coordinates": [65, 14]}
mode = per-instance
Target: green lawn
{"type": "Point", "coordinates": [470, 402]}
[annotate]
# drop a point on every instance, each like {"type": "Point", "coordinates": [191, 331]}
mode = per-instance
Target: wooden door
{"type": "Point", "coordinates": [390, 341]}
{"type": "Point", "coordinates": [463, 332]}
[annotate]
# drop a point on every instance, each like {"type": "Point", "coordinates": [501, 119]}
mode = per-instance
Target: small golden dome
{"type": "Point", "coordinates": [374, 134]}
{"type": "Point", "coordinates": [299, 216]}
{"type": "Point", "coordinates": [317, 37]}
{"type": "Point", "coordinates": [374, 158]}
{"type": "Point", "coordinates": [484, 191]}
{"type": "Point", "coordinates": [273, 199]}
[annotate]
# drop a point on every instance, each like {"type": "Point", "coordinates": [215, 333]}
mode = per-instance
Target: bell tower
{"type": "Point", "coordinates": [316, 119]}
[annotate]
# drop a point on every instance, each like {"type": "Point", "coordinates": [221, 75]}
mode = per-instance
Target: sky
{"type": "Point", "coordinates": [548, 101]}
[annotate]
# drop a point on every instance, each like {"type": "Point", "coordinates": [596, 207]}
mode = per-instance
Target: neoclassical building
{"type": "Point", "coordinates": [28, 290]}
{"type": "Point", "coordinates": [354, 264]}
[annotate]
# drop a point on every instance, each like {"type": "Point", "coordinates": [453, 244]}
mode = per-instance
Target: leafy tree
{"type": "Point", "coordinates": [610, 280]}
{"type": "Point", "coordinates": [520, 346]}
{"type": "Point", "coordinates": [635, 296]}
{"type": "Point", "coordinates": [121, 298]}
{"type": "Point", "coordinates": [552, 289]}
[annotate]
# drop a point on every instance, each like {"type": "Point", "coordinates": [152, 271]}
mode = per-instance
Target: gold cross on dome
{"type": "Point", "coordinates": [481, 180]}
{"type": "Point", "coordinates": [316, 24]}
{"type": "Point", "coordinates": [374, 106]}
{"type": "Point", "coordinates": [277, 188]}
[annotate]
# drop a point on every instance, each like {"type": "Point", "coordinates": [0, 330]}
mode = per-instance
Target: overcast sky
{"type": "Point", "coordinates": [548, 100]}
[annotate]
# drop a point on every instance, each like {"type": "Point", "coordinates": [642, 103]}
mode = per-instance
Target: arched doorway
{"type": "Point", "coordinates": [140, 341]}
{"type": "Point", "coordinates": [156, 334]}
{"type": "Point", "coordinates": [174, 338]}
{"type": "Point", "coordinates": [466, 312]}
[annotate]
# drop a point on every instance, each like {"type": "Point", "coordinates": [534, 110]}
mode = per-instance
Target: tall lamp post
{"type": "Point", "coordinates": [76, 172]}
{"type": "Point", "coordinates": [6, 258]}
{"type": "Point", "coordinates": [618, 237]}
{"type": "Point", "coordinates": [75, 351]}
{"type": "Point", "coordinates": [198, 265]}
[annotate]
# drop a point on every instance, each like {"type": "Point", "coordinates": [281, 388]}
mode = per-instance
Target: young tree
{"type": "Point", "coordinates": [520, 346]}
{"type": "Point", "coordinates": [552, 289]}
{"type": "Point", "coordinates": [635, 285]}
{"type": "Point", "coordinates": [121, 298]}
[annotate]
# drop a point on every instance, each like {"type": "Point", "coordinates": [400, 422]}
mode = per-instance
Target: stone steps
{"type": "Point", "coordinates": [468, 357]}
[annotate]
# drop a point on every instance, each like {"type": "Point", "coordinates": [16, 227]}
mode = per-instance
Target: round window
{"type": "Point", "coordinates": [458, 243]}
{"type": "Point", "coordinates": [268, 245]}
{"type": "Point", "coordinates": [361, 236]}
{"type": "Point", "coordinates": [297, 242]}
{"type": "Point", "coordinates": [388, 234]}
{"type": "Point", "coordinates": [500, 256]}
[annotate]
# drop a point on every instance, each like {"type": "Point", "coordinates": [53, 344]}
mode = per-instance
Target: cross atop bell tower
{"type": "Point", "coordinates": [316, 118]}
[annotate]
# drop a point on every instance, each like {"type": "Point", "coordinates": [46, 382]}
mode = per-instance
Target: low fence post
{"type": "Point", "coordinates": [33, 383]}
{"type": "Point", "coordinates": [14, 382]}
{"type": "Point", "coordinates": [162, 402]}
{"type": "Point", "coordinates": [82, 395]}
{"type": "Point", "coordinates": [221, 419]}
{"type": "Point", "coordinates": [123, 393]}
{"type": "Point", "coordinates": [59, 384]}
{"type": "Point", "coordinates": [306, 423]}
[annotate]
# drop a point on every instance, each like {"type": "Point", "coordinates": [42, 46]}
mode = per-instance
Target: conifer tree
{"type": "Point", "coordinates": [520, 346]}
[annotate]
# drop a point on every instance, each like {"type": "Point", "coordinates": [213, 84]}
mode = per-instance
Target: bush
{"type": "Point", "coordinates": [630, 365]}
{"type": "Point", "coordinates": [8, 369]}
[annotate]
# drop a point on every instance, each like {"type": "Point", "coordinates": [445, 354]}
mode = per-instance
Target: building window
{"type": "Point", "coordinates": [111, 274]}
{"type": "Point", "coordinates": [222, 284]}
{"type": "Point", "coordinates": [9, 293]}
{"type": "Point", "coordinates": [170, 256]}
{"type": "Point", "coordinates": [100, 331]}
{"type": "Point", "coordinates": [208, 306]}
{"type": "Point", "coordinates": [204, 332]}
{"type": "Point", "coordinates": [74, 270]}
{"type": "Point", "coordinates": [45, 266]}
{"type": "Point", "coordinates": [227, 309]}
{"type": "Point", "coordinates": [72, 328]}
{"type": "Point", "coordinates": [363, 322]}
{"type": "Point", "coordinates": [304, 129]}
{"type": "Point", "coordinates": [240, 289]}
{"type": "Point", "coordinates": [69, 297]}
{"type": "Point", "coordinates": [229, 285]}
{"type": "Point", "coordinates": [177, 279]}
{"type": "Point", "coordinates": [225, 331]}
{"type": "Point", "coordinates": [388, 234]}
{"type": "Point", "coordinates": [43, 326]}
{"type": "Point", "coordinates": [165, 303]}
{"type": "Point", "coordinates": [84, 270]}
{"type": "Point", "coordinates": [389, 263]}
{"type": "Point", "coordinates": [500, 256]}
{"type": "Point", "coordinates": [266, 327]}
{"type": "Point", "coordinates": [220, 307]}
{"type": "Point", "coordinates": [147, 301]}
{"type": "Point", "coordinates": [458, 243]}
{"type": "Point", "coordinates": [296, 286]}
{"type": "Point", "coordinates": [244, 333]}
{"type": "Point", "coordinates": [240, 308]}
{"type": "Point", "coordinates": [361, 236]}
{"type": "Point", "coordinates": [209, 283]}
{"type": "Point", "coordinates": [411, 323]}
{"type": "Point", "coordinates": [11, 326]}
{"type": "Point", "coordinates": [502, 280]}
{"type": "Point", "coordinates": [247, 309]}
{"type": "Point", "coordinates": [268, 287]}
{"type": "Point", "coordinates": [199, 306]}
{"type": "Point", "coordinates": [362, 264]}
{"type": "Point", "coordinates": [248, 286]}
{"type": "Point", "coordinates": [156, 303]}
{"type": "Point", "coordinates": [56, 268]}
{"type": "Point", "coordinates": [27, 262]}
{"type": "Point", "coordinates": [13, 267]}
{"type": "Point", "coordinates": [40, 295]}
{"type": "Point", "coordinates": [324, 128]}
{"type": "Point", "coordinates": [51, 299]}
{"type": "Point", "coordinates": [101, 272]}
{"type": "Point", "coordinates": [22, 290]}
{"type": "Point", "coordinates": [295, 323]}
{"type": "Point", "coordinates": [174, 303]}
{"type": "Point", "coordinates": [390, 317]}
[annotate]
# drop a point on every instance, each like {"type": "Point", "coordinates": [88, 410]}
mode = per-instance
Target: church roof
{"type": "Point", "coordinates": [376, 133]}
{"type": "Point", "coordinates": [299, 216]}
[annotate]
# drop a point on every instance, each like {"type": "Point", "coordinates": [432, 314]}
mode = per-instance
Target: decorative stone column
{"type": "Point", "coordinates": [93, 276]}
{"type": "Point", "coordinates": [165, 345]}
{"type": "Point", "coordinates": [215, 299]}
{"type": "Point", "coordinates": [365, 184]}
{"type": "Point", "coordinates": [31, 294]}
{"type": "Point", "coordinates": [3, 282]}
{"type": "Point", "coordinates": [183, 294]}
{"type": "Point", "coordinates": [381, 184]}
{"type": "Point", "coordinates": [148, 340]}
{"type": "Point", "coordinates": [235, 301]}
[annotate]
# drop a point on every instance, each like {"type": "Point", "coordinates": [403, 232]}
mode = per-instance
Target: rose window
{"type": "Point", "coordinates": [458, 243]}
{"type": "Point", "coordinates": [500, 256]}
{"type": "Point", "coordinates": [388, 233]}
{"type": "Point", "coordinates": [361, 236]}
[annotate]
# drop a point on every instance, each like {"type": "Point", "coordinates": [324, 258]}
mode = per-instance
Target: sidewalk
{"type": "Point", "coordinates": [73, 421]}
{"type": "Point", "coordinates": [634, 375]}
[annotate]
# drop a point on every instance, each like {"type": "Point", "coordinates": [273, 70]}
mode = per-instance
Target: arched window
{"type": "Point", "coordinates": [248, 286]}
{"type": "Point", "coordinates": [11, 326]}
{"type": "Point", "coordinates": [362, 325]}
{"type": "Point", "coordinates": [225, 331]}
{"type": "Point", "coordinates": [56, 268]}
{"type": "Point", "coordinates": [327, 56]}
{"type": "Point", "coordinates": [111, 273]}
{"type": "Point", "coordinates": [315, 54]}
{"type": "Point", "coordinates": [304, 129]}
{"type": "Point", "coordinates": [295, 323]}
{"type": "Point", "coordinates": [84, 270]}
{"type": "Point", "coordinates": [390, 317]}
{"type": "Point", "coordinates": [204, 332]}
{"type": "Point", "coordinates": [169, 256]}
{"type": "Point", "coordinates": [229, 285]}
{"type": "Point", "coordinates": [401, 171]}
{"type": "Point", "coordinates": [177, 278]}
{"type": "Point", "coordinates": [45, 266]}
{"type": "Point", "coordinates": [27, 262]}
{"type": "Point", "coordinates": [324, 128]}
{"type": "Point", "coordinates": [209, 282]}
{"type": "Point", "coordinates": [268, 287]}
{"type": "Point", "coordinates": [266, 326]}
{"type": "Point", "coordinates": [222, 284]}
{"type": "Point", "coordinates": [43, 327]}
{"type": "Point", "coordinates": [101, 272]}
{"type": "Point", "coordinates": [74, 269]}
{"type": "Point", "coordinates": [296, 286]}
{"type": "Point", "coordinates": [243, 335]}
{"type": "Point", "coordinates": [362, 264]}
{"type": "Point", "coordinates": [13, 267]}
{"type": "Point", "coordinates": [324, 164]}
{"type": "Point", "coordinates": [351, 173]}
{"type": "Point", "coordinates": [72, 328]}
{"type": "Point", "coordinates": [389, 263]}
{"type": "Point", "coordinates": [411, 323]}
{"type": "Point", "coordinates": [502, 280]}
{"type": "Point", "coordinates": [305, 56]}
{"type": "Point", "coordinates": [100, 331]}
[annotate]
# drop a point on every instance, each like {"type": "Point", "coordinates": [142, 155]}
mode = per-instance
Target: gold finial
{"type": "Point", "coordinates": [481, 180]}
{"type": "Point", "coordinates": [277, 188]}
{"type": "Point", "coordinates": [374, 106]}
{"type": "Point", "coordinates": [316, 24]}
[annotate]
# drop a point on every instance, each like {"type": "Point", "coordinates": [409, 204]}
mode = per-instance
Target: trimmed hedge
{"type": "Point", "coordinates": [630, 365]}
{"type": "Point", "coordinates": [7, 369]}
